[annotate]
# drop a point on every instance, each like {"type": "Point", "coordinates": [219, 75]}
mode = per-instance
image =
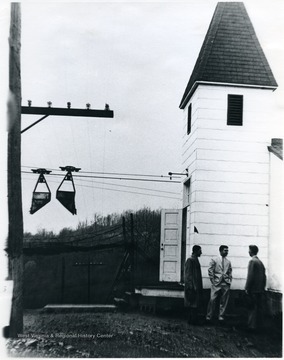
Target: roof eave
{"type": "Point", "coordinates": [196, 83]}
{"type": "Point", "coordinates": [276, 152]}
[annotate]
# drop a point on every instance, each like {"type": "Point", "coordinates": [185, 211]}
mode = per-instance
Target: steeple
{"type": "Point", "coordinates": [231, 53]}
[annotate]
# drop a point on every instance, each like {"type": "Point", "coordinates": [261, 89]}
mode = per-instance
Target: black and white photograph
{"type": "Point", "coordinates": [142, 179]}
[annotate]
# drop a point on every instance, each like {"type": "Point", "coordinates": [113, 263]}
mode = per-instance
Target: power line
{"type": "Point", "coordinates": [132, 187]}
{"type": "Point", "coordinates": [113, 173]}
{"type": "Point", "coordinates": [116, 178]}
{"type": "Point", "coordinates": [127, 186]}
{"type": "Point", "coordinates": [126, 174]}
{"type": "Point", "coordinates": [129, 192]}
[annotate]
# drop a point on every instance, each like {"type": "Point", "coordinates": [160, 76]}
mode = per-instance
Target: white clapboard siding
{"type": "Point", "coordinates": [192, 178]}
{"type": "Point", "coordinates": [233, 219]}
{"type": "Point", "coordinates": [263, 231]}
{"type": "Point", "coordinates": [209, 103]}
{"type": "Point", "coordinates": [190, 136]}
{"type": "Point", "coordinates": [191, 168]}
{"type": "Point", "coordinates": [232, 240]}
{"type": "Point", "coordinates": [252, 99]}
{"type": "Point", "coordinates": [194, 115]}
{"type": "Point", "coordinates": [239, 275]}
{"type": "Point", "coordinates": [234, 166]}
{"type": "Point", "coordinates": [190, 157]}
{"type": "Point", "coordinates": [233, 134]}
{"type": "Point", "coordinates": [229, 170]}
{"type": "Point", "coordinates": [216, 123]}
{"type": "Point", "coordinates": [208, 92]}
{"type": "Point", "coordinates": [189, 144]}
{"type": "Point", "coordinates": [238, 262]}
{"type": "Point", "coordinates": [223, 208]}
{"type": "Point", "coordinates": [192, 200]}
{"type": "Point", "coordinates": [232, 156]}
{"type": "Point", "coordinates": [189, 141]}
{"type": "Point", "coordinates": [231, 229]}
{"type": "Point", "coordinates": [194, 119]}
{"type": "Point", "coordinates": [256, 99]}
{"type": "Point", "coordinates": [276, 247]}
{"type": "Point", "coordinates": [236, 145]}
{"type": "Point", "coordinates": [253, 112]}
{"type": "Point", "coordinates": [232, 187]}
{"type": "Point", "coordinates": [215, 111]}
{"type": "Point", "coordinates": [190, 163]}
{"type": "Point", "coordinates": [253, 178]}
{"type": "Point", "coordinates": [213, 114]}
{"type": "Point", "coordinates": [237, 283]}
{"type": "Point", "coordinates": [237, 254]}
{"type": "Point", "coordinates": [210, 196]}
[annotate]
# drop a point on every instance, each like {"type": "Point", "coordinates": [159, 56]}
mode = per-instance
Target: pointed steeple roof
{"type": "Point", "coordinates": [230, 53]}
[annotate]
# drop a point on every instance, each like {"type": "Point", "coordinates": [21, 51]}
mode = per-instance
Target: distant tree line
{"type": "Point", "coordinates": [141, 226]}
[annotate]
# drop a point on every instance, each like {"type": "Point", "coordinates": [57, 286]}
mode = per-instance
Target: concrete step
{"type": "Point", "coordinates": [79, 308]}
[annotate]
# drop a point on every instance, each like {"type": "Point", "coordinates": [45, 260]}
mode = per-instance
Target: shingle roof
{"type": "Point", "coordinates": [276, 147]}
{"type": "Point", "coordinates": [231, 52]}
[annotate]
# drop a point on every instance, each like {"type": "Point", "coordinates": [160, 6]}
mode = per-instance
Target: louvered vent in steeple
{"type": "Point", "coordinates": [235, 110]}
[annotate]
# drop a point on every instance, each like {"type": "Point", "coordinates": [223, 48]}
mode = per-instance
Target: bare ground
{"type": "Point", "coordinates": [135, 334]}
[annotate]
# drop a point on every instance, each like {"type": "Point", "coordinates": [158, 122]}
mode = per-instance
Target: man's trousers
{"type": "Point", "coordinates": [255, 311]}
{"type": "Point", "coordinates": [223, 290]}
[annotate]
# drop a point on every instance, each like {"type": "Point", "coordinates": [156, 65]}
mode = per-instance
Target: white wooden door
{"type": "Point", "coordinates": [170, 246]}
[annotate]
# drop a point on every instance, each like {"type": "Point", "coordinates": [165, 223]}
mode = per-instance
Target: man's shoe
{"type": "Point", "coordinates": [221, 318]}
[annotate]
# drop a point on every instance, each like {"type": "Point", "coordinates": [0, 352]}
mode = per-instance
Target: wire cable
{"type": "Point", "coordinates": [125, 191]}
{"type": "Point", "coordinates": [111, 173]}
{"type": "Point", "coordinates": [126, 186]}
{"type": "Point", "coordinates": [132, 187]}
{"type": "Point", "coordinates": [114, 178]}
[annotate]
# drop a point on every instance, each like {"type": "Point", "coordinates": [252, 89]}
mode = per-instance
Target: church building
{"type": "Point", "coordinates": [233, 169]}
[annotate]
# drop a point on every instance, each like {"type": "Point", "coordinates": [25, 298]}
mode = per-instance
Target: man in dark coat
{"type": "Point", "coordinates": [254, 288]}
{"type": "Point", "coordinates": [193, 285]}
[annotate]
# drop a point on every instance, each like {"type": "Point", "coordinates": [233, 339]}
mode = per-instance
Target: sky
{"type": "Point", "coordinates": [135, 56]}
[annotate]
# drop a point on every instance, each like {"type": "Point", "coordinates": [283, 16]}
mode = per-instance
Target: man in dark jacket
{"type": "Point", "coordinates": [255, 285]}
{"type": "Point", "coordinates": [193, 285]}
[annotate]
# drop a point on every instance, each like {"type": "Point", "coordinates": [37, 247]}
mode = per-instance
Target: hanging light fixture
{"type": "Point", "coordinates": [65, 193]}
{"type": "Point", "coordinates": [40, 198]}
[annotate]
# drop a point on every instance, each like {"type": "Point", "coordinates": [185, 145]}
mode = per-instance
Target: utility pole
{"type": "Point", "coordinates": [15, 232]}
{"type": "Point", "coordinates": [132, 250]}
{"type": "Point", "coordinates": [124, 232]}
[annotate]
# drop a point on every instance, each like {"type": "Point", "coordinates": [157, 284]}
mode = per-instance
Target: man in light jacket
{"type": "Point", "coordinates": [220, 274]}
{"type": "Point", "coordinates": [254, 288]}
